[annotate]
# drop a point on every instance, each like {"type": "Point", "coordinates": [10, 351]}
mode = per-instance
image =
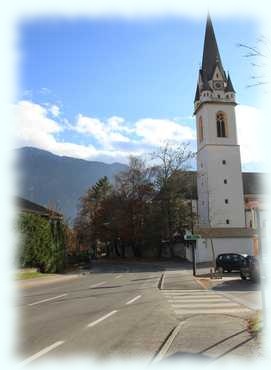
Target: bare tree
{"type": "Point", "coordinates": [258, 56]}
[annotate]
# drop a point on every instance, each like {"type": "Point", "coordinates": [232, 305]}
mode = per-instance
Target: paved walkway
{"type": "Point", "coordinates": [212, 326]}
{"type": "Point", "coordinates": [213, 337]}
{"type": "Point", "coordinates": [180, 279]}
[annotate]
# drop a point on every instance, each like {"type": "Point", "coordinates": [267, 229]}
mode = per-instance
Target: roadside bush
{"type": "Point", "coordinates": [42, 244]}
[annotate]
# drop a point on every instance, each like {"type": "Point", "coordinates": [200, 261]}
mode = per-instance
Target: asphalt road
{"type": "Point", "coordinates": [119, 312]}
{"type": "Point", "coordinates": [100, 314]}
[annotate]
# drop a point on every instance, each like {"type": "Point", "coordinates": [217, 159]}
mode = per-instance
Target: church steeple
{"type": "Point", "coordinates": [211, 57]}
{"type": "Point", "coordinates": [213, 83]}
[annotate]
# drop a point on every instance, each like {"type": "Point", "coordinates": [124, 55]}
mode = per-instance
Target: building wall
{"type": "Point", "coordinates": [212, 150]}
{"type": "Point", "coordinates": [221, 245]}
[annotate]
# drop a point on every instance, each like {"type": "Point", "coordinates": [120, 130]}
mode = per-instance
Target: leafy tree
{"type": "Point", "coordinates": [42, 243]}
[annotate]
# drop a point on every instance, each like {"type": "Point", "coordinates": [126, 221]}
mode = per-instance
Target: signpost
{"type": "Point", "coordinates": [192, 237]}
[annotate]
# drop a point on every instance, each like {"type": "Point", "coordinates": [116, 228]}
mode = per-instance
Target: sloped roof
{"type": "Point", "coordinates": [229, 87]}
{"type": "Point", "coordinates": [211, 57]}
{"type": "Point", "coordinates": [26, 205]}
{"type": "Point", "coordinates": [252, 183]}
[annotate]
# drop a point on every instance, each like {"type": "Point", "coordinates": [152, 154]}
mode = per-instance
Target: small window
{"type": "Point", "coordinates": [224, 161]}
{"type": "Point", "coordinates": [200, 129]}
{"type": "Point", "coordinates": [227, 221]}
{"type": "Point", "coordinates": [221, 124]}
{"type": "Point", "coordinates": [218, 96]}
{"type": "Point", "coordinates": [225, 181]}
{"type": "Point", "coordinates": [226, 201]}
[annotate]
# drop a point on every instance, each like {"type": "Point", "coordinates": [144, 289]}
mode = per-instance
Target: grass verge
{"type": "Point", "coordinates": [24, 275]}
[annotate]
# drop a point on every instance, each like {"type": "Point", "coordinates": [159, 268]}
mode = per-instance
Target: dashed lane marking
{"type": "Point", "coordinates": [47, 299]}
{"type": "Point", "coordinates": [101, 319]}
{"type": "Point", "coordinates": [134, 299]}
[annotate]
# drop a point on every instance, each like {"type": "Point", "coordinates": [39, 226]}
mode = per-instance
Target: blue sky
{"type": "Point", "coordinates": [104, 88]}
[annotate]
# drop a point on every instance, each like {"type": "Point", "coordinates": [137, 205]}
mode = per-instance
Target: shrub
{"type": "Point", "coordinates": [42, 243]}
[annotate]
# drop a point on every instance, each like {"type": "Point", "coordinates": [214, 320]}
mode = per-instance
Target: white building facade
{"type": "Point", "coordinates": [221, 207]}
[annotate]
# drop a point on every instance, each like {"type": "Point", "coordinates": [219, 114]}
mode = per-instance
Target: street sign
{"type": "Point", "coordinates": [192, 237]}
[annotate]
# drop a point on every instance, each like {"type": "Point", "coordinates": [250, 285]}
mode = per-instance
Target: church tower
{"type": "Point", "coordinates": [219, 177]}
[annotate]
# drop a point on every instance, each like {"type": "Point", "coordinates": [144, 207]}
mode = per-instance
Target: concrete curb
{"type": "Point", "coordinates": [161, 281]}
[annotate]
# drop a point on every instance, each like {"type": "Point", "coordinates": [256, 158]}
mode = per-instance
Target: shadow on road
{"type": "Point", "coordinates": [237, 286]}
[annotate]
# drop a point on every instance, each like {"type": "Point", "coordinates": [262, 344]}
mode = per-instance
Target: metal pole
{"type": "Point", "coordinates": [193, 258]}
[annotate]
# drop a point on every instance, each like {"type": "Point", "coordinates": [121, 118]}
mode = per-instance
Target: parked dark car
{"type": "Point", "coordinates": [229, 261]}
{"type": "Point", "coordinates": [250, 269]}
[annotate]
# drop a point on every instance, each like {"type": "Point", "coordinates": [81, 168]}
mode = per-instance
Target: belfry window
{"type": "Point", "coordinates": [221, 125]}
{"type": "Point", "coordinates": [200, 129]}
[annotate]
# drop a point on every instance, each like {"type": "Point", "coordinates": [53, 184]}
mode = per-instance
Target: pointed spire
{"type": "Point", "coordinates": [229, 87]}
{"type": "Point", "coordinates": [211, 57]}
{"type": "Point", "coordinates": [197, 94]}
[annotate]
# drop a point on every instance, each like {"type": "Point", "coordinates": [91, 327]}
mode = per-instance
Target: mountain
{"type": "Point", "coordinates": [57, 181]}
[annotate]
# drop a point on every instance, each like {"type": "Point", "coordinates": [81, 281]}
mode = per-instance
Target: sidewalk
{"type": "Point", "coordinates": [179, 280]}
{"type": "Point", "coordinates": [205, 336]}
{"type": "Point", "coordinates": [213, 337]}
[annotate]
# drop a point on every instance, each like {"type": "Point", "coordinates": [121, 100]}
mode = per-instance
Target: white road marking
{"type": "Point", "coordinates": [133, 300]}
{"type": "Point", "coordinates": [46, 300]}
{"type": "Point", "coordinates": [101, 319]}
{"type": "Point", "coordinates": [202, 302]}
{"type": "Point", "coordinates": [41, 353]}
{"type": "Point", "coordinates": [117, 277]}
{"type": "Point", "coordinates": [98, 284]}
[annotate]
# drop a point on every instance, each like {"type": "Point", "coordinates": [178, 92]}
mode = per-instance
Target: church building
{"type": "Point", "coordinates": [221, 203]}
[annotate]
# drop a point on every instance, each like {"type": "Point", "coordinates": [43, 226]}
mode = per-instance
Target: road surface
{"type": "Point", "coordinates": [119, 312]}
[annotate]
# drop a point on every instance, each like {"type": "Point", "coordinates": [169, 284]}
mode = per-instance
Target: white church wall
{"type": "Point", "coordinates": [232, 191]}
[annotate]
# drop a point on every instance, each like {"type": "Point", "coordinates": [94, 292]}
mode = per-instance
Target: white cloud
{"type": "Point", "coordinates": [250, 129]}
{"type": "Point", "coordinates": [106, 133]}
{"type": "Point", "coordinates": [36, 129]}
{"type": "Point", "coordinates": [55, 110]}
{"type": "Point", "coordinates": [115, 141]}
{"type": "Point", "coordinates": [157, 131]}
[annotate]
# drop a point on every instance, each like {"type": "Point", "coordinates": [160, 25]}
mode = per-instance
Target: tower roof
{"type": "Point", "coordinates": [229, 87]}
{"type": "Point", "coordinates": [197, 94]}
{"type": "Point", "coordinates": [211, 57]}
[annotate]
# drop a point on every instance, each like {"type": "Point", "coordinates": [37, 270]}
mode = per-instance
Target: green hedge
{"type": "Point", "coordinates": [42, 243]}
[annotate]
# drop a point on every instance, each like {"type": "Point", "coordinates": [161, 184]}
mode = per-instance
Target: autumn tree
{"type": "Point", "coordinates": [172, 182]}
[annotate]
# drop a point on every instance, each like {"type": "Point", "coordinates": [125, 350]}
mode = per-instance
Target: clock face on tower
{"type": "Point", "coordinates": [218, 85]}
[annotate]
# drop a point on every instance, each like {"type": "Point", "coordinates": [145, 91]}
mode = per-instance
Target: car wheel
{"type": "Point", "coordinates": [243, 277]}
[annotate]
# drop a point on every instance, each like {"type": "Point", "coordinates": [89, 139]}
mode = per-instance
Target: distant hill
{"type": "Point", "coordinates": [54, 180]}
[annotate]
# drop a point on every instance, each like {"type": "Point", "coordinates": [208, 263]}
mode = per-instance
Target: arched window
{"type": "Point", "coordinates": [221, 124]}
{"type": "Point", "coordinates": [200, 129]}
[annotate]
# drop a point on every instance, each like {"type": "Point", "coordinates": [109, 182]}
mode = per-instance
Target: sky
{"type": "Point", "coordinates": [102, 89]}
